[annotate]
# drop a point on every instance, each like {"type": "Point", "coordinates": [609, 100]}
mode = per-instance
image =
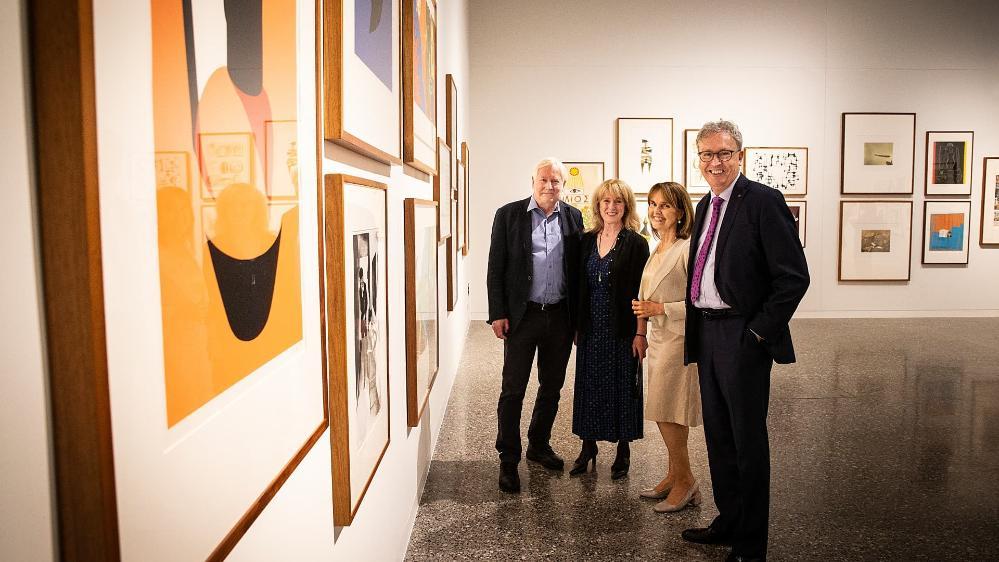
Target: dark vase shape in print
{"type": "Point", "coordinates": [247, 288]}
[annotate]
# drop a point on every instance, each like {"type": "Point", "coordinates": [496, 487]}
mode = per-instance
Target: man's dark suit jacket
{"type": "Point", "coordinates": [508, 278]}
{"type": "Point", "coordinates": [760, 268]}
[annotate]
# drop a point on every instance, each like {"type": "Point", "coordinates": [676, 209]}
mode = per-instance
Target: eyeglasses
{"type": "Point", "coordinates": [723, 155]}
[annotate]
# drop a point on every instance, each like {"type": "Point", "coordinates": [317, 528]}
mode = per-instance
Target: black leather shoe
{"type": "Point", "coordinates": [546, 458]}
{"type": "Point", "coordinates": [509, 478]}
{"type": "Point", "coordinates": [587, 455]}
{"type": "Point", "coordinates": [705, 535]}
{"type": "Point", "coordinates": [733, 557]}
{"type": "Point", "coordinates": [622, 462]}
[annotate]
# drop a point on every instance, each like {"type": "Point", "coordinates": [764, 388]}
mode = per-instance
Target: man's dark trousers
{"type": "Point", "coordinates": [735, 393]}
{"type": "Point", "coordinates": [549, 331]}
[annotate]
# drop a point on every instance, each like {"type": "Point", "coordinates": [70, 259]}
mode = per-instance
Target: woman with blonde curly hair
{"type": "Point", "coordinates": [607, 404]}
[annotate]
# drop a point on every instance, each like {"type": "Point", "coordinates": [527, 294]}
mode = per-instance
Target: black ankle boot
{"type": "Point", "coordinates": [622, 462]}
{"type": "Point", "coordinates": [587, 454]}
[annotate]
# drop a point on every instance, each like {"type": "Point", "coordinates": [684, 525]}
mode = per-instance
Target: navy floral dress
{"type": "Point", "coordinates": [607, 401]}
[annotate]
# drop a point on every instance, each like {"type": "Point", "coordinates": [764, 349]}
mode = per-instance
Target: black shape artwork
{"type": "Point", "coordinates": [247, 288]}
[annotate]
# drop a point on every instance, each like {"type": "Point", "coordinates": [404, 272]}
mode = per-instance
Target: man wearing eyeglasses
{"type": "Point", "coordinates": [748, 276]}
{"type": "Point", "coordinates": [531, 282]}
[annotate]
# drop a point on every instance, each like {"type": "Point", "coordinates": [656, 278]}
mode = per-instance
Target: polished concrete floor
{"type": "Point", "coordinates": [884, 439]}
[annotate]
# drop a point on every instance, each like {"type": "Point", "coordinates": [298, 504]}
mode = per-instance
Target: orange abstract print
{"type": "Point", "coordinates": [224, 105]}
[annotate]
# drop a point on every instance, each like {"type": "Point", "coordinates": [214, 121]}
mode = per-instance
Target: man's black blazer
{"type": "Point", "coordinates": [508, 278]}
{"type": "Point", "coordinates": [760, 268]}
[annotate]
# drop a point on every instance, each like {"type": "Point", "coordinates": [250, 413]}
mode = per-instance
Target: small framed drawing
{"type": "Point", "coordinates": [464, 158]}
{"type": "Point", "coordinates": [948, 162]}
{"type": "Point", "coordinates": [878, 153]}
{"type": "Point", "coordinates": [361, 86]}
{"type": "Point", "coordinates": [452, 273]}
{"type": "Point", "coordinates": [584, 177]}
{"type": "Point", "coordinates": [875, 240]}
{"type": "Point", "coordinates": [989, 234]}
{"type": "Point", "coordinates": [225, 159]}
{"type": "Point", "coordinates": [642, 211]}
{"type": "Point", "coordinates": [644, 151]}
{"type": "Point", "coordinates": [782, 168]}
{"type": "Point", "coordinates": [945, 231]}
{"type": "Point", "coordinates": [693, 179]}
{"type": "Point", "coordinates": [442, 190]}
{"type": "Point", "coordinates": [419, 83]}
{"type": "Point", "coordinates": [355, 314]}
{"type": "Point", "coordinates": [799, 212]}
{"type": "Point", "coordinates": [422, 328]}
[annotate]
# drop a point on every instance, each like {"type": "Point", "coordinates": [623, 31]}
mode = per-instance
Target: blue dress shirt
{"type": "Point", "coordinates": [548, 279]}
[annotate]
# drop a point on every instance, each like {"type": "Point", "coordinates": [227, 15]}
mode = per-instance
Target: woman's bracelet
{"type": "Point", "coordinates": [640, 336]}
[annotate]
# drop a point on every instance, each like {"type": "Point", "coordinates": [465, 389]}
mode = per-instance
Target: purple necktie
{"type": "Point", "coordinates": [702, 254]}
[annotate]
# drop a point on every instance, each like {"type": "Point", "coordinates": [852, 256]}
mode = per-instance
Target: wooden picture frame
{"type": "Point", "coordinates": [870, 228]}
{"type": "Point", "coordinates": [106, 361]}
{"type": "Point", "coordinates": [988, 234]}
{"type": "Point", "coordinates": [583, 180]}
{"type": "Point", "coordinates": [693, 179]}
{"type": "Point", "coordinates": [468, 173]}
{"type": "Point", "coordinates": [784, 168]}
{"type": "Point", "coordinates": [451, 117]}
{"type": "Point", "coordinates": [422, 314]}
{"type": "Point", "coordinates": [452, 274]}
{"type": "Point", "coordinates": [419, 80]}
{"type": "Point", "coordinates": [355, 270]}
{"type": "Point", "coordinates": [644, 151]}
{"type": "Point", "coordinates": [878, 153]}
{"type": "Point", "coordinates": [443, 191]}
{"type": "Point", "coordinates": [946, 232]}
{"type": "Point", "coordinates": [362, 71]}
{"type": "Point", "coordinates": [799, 210]}
{"type": "Point", "coordinates": [949, 157]}
{"type": "Point", "coordinates": [460, 210]}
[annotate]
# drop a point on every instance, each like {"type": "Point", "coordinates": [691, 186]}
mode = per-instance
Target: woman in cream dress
{"type": "Point", "coordinates": [674, 397]}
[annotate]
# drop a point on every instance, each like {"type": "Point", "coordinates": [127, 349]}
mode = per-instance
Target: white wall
{"type": "Point", "coordinates": [297, 524]}
{"type": "Point", "coordinates": [550, 78]}
{"type": "Point", "coordinates": [26, 514]}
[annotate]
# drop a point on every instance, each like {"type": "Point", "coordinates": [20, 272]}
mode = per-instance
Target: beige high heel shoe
{"type": "Point", "coordinates": [654, 493]}
{"type": "Point", "coordinates": [693, 497]}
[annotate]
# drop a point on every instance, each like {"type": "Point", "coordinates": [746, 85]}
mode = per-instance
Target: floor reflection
{"type": "Point", "coordinates": [884, 442]}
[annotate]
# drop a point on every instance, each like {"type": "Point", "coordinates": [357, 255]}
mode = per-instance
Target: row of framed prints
{"type": "Point", "coordinates": [645, 157]}
{"type": "Point", "coordinates": [354, 248]}
{"type": "Point", "coordinates": [878, 157]}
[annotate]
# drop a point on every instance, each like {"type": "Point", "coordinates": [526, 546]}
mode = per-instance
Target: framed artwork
{"type": "Point", "coordinates": [355, 314]}
{"type": "Point", "coordinates": [460, 208]}
{"type": "Point", "coordinates": [443, 190]}
{"type": "Point", "coordinates": [452, 114]}
{"type": "Point", "coordinates": [452, 273]}
{"type": "Point", "coordinates": [422, 329]}
{"type": "Point", "coordinates": [197, 394]}
{"type": "Point", "coordinates": [464, 158]}
{"type": "Point", "coordinates": [782, 168]}
{"type": "Point", "coordinates": [948, 162]}
{"type": "Point", "coordinates": [878, 153]}
{"type": "Point", "coordinates": [799, 212]}
{"type": "Point", "coordinates": [173, 169]}
{"type": "Point", "coordinates": [642, 210]}
{"type": "Point", "coordinates": [693, 179]}
{"type": "Point", "coordinates": [361, 62]}
{"type": "Point", "coordinates": [224, 159]}
{"type": "Point", "coordinates": [583, 180]}
{"type": "Point", "coordinates": [946, 231]}
{"type": "Point", "coordinates": [989, 234]}
{"type": "Point", "coordinates": [875, 240]}
{"type": "Point", "coordinates": [419, 81]}
{"type": "Point", "coordinates": [644, 151]}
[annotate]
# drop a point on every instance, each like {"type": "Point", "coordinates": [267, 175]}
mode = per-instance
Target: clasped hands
{"type": "Point", "coordinates": [647, 309]}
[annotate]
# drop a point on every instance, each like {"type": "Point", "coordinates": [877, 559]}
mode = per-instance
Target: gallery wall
{"type": "Point", "coordinates": [297, 523]}
{"type": "Point", "coordinates": [25, 493]}
{"type": "Point", "coordinates": [551, 78]}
